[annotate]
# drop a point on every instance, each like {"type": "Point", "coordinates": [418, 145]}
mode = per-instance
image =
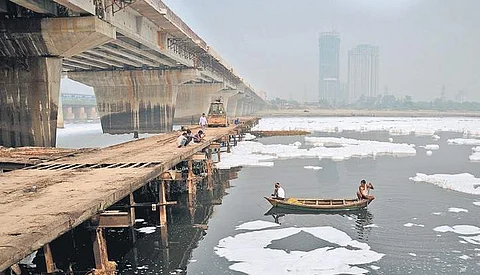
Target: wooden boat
{"type": "Point", "coordinates": [318, 204]}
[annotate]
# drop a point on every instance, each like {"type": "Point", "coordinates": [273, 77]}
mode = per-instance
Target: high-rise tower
{"type": "Point", "coordinates": [362, 72]}
{"type": "Point", "coordinates": [329, 49]}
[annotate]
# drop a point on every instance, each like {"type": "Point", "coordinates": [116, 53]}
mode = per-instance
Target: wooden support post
{"type": "Point", "coordinates": [102, 265]}
{"type": "Point", "coordinates": [191, 184]}
{"type": "Point", "coordinates": [218, 154]}
{"type": "Point", "coordinates": [228, 144]}
{"type": "Point", "coordinates": [165, 247]}
{"type": "Point", "coordinates": [132, 209]}
{"type": "Point", "coordinates": [209, 170]}
{"type": "Point", "coordinates": [163, 204]}
{"type": "Point", "coordinates": [49, 264]}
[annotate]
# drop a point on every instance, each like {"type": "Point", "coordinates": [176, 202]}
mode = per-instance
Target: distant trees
{"type": "Point", "coordinates": [390, 102]}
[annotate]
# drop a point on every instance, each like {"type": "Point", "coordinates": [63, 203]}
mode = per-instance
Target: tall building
{"type": "Point", "coordinates": [362, 72]}
{"type": "Point", "coordinates": [329, 49]}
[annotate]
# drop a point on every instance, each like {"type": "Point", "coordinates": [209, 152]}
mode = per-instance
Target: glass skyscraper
{"type": "Point", "coordinates": [329, 52]}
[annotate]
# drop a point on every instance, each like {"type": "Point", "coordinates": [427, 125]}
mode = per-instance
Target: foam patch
{"type": "Point", "coordinates": [248, 253]}
{"type": "Point", "coordinates": [465, 182]}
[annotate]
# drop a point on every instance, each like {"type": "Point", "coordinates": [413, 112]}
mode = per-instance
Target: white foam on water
{"type": "Point", "coordinates": [413, 224]}
{"type": "Point", "coordinates": [143, 267]}
{"type": "Point", "coordinates": [476, 149]}
{"type": "Point", "coordinates": [370, 225]}
{"type": "Point", "coordinates": [390, 139]}
{"type": "Point", "coordinates": [431, 147]}
{"type": "Point", "coordinates": [313, 167]}
{"type": "Point", "coordinates": [435, 137]}
{"type": "Point", "coordinates": [429, 153]}
{"type": "Point", "coordinates": [465, 257]}
{"type": "Point", "coordinates": [457, 210]}
{"type": "Point", "coordinates": [465, 182]}
{"type": "Point", "coordinates": [437, 213]}
{"type": "Point", "coordinates": [147, 229]}
{"type": "Point", "coordinates": [426, 126]}
{"type": "Point", "coordinates": [459, 229]}
{"type": "Point", "coordinates": [476, 203]}
{"type": "Point", "coordinates": [251, 153]}
{"type": "Point", "coordinates": [374, 267]}
{"type": "Point", "coordinates": [472, 239]}
{"type": "Point", "coordinates": [345, 148]}
{"type": "Point", "coordinates": [249, 136]}
{"type": "Point", "coordinates": [256, 225]}
{"type": "Point", "coordinates": [412, 254]}
{"type": "Point", "coordinates": [249, 253]}
{"type": "Point", "coordinates": [464, 141]}
{"type": "Point", "coordinates": [474, 157]}
{"type": "Point", "coordinates": [29, 260]}
{"type": "Point", "coordinates": [139, 220]}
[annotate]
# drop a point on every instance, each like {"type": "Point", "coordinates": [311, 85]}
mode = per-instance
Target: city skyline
{"type": "Point", "coordinates": [329, 66]}
{"type": "Point", "coordinates": [363, 72]}
{"type": "Point", "coordinates": [424, 44]}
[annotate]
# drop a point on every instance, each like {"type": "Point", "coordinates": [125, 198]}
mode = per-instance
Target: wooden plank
{"type": "Point", "coordinates": [28, 219]}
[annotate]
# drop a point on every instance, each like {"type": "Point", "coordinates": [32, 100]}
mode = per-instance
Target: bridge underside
{"type": "Point", "coordinates": [136, 101]}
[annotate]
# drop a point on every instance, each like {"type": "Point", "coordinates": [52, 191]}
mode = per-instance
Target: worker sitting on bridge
{"type": "Point", "coordinates": [182, 140]}
{"type": "Point", "coordinates": [198, 137]}
{"type": "Point", "coordinates": [189, 137]}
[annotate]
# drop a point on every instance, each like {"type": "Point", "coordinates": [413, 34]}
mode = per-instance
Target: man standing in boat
{"type": "Point", "coordinates": [278, 193]}
{"type": "Point", "coordinates": [363, 189]}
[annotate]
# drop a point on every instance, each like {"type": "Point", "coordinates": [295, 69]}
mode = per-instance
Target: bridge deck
{"type": "Point", "coordinates": [39, 204]}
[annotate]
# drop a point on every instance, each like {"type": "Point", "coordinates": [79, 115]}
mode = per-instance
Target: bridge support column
{"type": "Point", "coordinates": [194, 99]}
{"type": "Point", "coordinates": [80, 113]}
{"type": "Point", "coordinates": [232, 104]}
{"type": "Point", "coordinates": [138, 100]}
{"type": "Point", "coordinates": [91, 112]}
{"type": "Point", "coordinates": [31, 55]}
{"type": "Point", "coordinates": [68, 112]}
{"type": "Point", "coordinates": [240, 107]}
{"type": "Point", "coordinates": [29, 93]}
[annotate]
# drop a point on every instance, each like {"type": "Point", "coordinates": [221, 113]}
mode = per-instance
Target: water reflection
{"type": "Point", "coordinates": [168, 249]}
{"type": "Point", "coordinates": [363, 218]}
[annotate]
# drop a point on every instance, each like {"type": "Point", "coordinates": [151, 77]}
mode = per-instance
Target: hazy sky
{"type": "Point", "coordinates": [273, 44]}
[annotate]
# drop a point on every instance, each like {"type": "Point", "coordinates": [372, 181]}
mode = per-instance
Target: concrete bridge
{"type": "Point", "coordinates": [144, 63]}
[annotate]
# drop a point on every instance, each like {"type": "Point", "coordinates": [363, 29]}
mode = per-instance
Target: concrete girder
{"type": "Point", "coordinates": [194, 99]}
{"type": "Point", "coordinates": [142, 101]}
{"type": "Point", "coordinates": [108, 56]}
{"type": "Point", "coordinates": [69, 63]}
{"type": "Point", "coordinates": [44, 6]}
{"type": "Point", "coordinates": [137, 50]}
{"type": "Point", "coordinates": [132, 57]}
{"type": "Point", "coordinates": [99, 60]}
{"type": "Point", "coordinates": [80, 6]}
{"type": "Point", "coordinates": [63, 37]}
{"type": "Point", "coordinates": [86, 62]}
{"type": "Point", "coordinates": [29, 103]}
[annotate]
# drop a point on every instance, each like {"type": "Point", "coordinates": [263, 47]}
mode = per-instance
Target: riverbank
{"type": "Point", "coordinates": [314, 112]}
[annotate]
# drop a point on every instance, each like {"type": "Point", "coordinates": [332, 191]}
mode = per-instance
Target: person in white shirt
{"type": "Point", "coordinates": [181, 140]}
{"type": "Point", "coordinates": [278, 193]}
{"type": "Point", "coordinates": [203, 122]}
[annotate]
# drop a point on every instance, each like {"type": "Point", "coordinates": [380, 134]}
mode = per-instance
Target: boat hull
{"type": "Point", "coordinates": [318, 205]}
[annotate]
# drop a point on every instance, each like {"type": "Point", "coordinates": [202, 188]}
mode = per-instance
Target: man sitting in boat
{"type": "Point", "coordinates": [363, 190]}
{"type": "Point", "coordinates": [278, 193]}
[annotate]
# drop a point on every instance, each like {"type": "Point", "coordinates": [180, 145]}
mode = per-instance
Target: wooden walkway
{"type": "Point", "coordinates": [40, 203]}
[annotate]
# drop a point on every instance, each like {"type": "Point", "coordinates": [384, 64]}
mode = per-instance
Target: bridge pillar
{"type": "Point", "coordinates": [91, 112]}
{"type": "Point", "coordinates": [240, 110]}
{"type": "Point", "coordinates": [68, 113]}
{"type": "Point", "coordinates": [140, 101]}
{"type": "Point", "coordinates": [31, 55]}
{"type": "Point", "coordinates": [80, 113]}
{"type": "Point", "coordinates": [60, 120]}
{"type": "Point", "coordinates": [29, 95]}
{"type": "Point", "coordinates": [232, 102]}
{"type": "Point", "coordinates": [194, 99]}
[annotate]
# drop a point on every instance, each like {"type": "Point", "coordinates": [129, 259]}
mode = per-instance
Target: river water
{"type": "Point", "coordinates": [425, 226]}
